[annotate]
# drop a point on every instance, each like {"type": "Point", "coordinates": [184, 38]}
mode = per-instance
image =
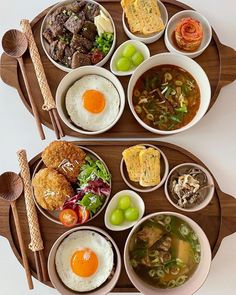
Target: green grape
{"type": "Point", "coordinates": [123, 64]}
{"type": "Point", "coordinates": [117, 217]}
{"type": "Point", "coordinates": [137, 58]}
{"type": "Point", "coordinates": [129, 50]}
{"type": "Point", "coordinates": [124, 202]}
{"type": "Point", "coordinates": [131, 214]}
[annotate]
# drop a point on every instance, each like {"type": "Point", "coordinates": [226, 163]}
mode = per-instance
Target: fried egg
{"type": "Point", "coordinates": [92, 102]}
{"type": "Point", "coordinates": [84, 260]}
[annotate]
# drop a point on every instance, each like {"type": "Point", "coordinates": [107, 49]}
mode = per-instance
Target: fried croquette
{"type": "Point", "coordinates": [51, 189]}
{"type": "Point", "coordinates": [65, 157]}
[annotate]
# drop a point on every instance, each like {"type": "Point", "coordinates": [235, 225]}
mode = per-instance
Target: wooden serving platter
{"type": "Point", "coordinates": [218, 219]}
{"type": "Point", "coordinates": [218, 61]}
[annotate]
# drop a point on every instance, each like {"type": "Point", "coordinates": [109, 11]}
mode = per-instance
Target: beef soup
{"type": "Point", "coordinates": [166, 97]}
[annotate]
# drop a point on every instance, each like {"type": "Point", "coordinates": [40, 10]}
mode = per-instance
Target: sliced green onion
{"type": "Point", "coordinates": [168, 227]}
{"type": "Point", "coordinates": [198, 248]}
{"type": "Point", "coordinates": [150, 117]}
{"type": "Point", "coordinates": [180, 280]}
{"type": "Point", "coordinates": [161, 216]}
{"type": "Point", "coordinates": [168, 76]}
{"type": "Point", "coordinates": [134, 263]}
{"type": "Point", "coordinates": [197, 257]}
{"type": "Point", "coordinates": [171, 284]}
{"type": "Point", "coordinates": [167, 220]}
{"type": "Point", "coordinates": [138, 109]}
{"type": "Point", "coordinates": [178, 83]}
{"type": "Point", "coordinates": [160, 273]}
{"type": "Point", "coordinates": [137, 93]}
{"type": "Point", "coordinates": [153, 253]}
{"type": "Point", "coordinates": [184, 230]}
{"type": "Point", "coordinates": [152, 273]}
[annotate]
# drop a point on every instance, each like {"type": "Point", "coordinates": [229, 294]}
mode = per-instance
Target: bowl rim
{"type": "Point", "coordinates": [92, 71]}
{"type": "Point", "coordinates": [61, 66]}
{"type": "Point", "coordinates": [209, 197]}
{"type": "Point", "coordinates": [198, 51]}
{"type": "Point", "coordinates": [59, 240]}
{"type": "Point", "coordinates": [148, 189]}
{"type": "Point", "coordinates": [185, 127]}
{"type": "Point", "coordinates": [44, 211]}
{"type": "Point", "coordinates": [145, 50]}
{"type": "Point", "coordinates": [189, 221]}
{"type": "Point", "coordinates": [153, 37]}
{"type": "Point", "coordinates": [131, 223]}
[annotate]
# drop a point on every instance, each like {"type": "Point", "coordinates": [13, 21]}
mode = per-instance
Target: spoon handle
{"type": "Point", "coordinates": [22, 245]}
{"type": "Point", "coordinates": [32, 102]}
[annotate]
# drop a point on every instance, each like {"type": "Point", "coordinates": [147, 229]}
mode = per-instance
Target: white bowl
{"type": "Point", "coordinates": [151, 38]}
{"type": "Point", "coordinates": [190, 66]}
{"type": "Point", "coordinates": [118, 53]}
{"type": "Point", "coordinates": [45, 45]}
{"type": "Point", "coordinates": [207, 32]}
{"type": "Point", "coordinates": [209, 196]}
{"type": "Point", "coordinates": [106, 287]}
{"type": "Point", "coordinates": [198, 277]}
{"type": "Point", "coordinates": [137, 202]}
{"type": "Point", "coordinates": [71, 78]}
{"type": "Point", "coordinates": [137, 187]}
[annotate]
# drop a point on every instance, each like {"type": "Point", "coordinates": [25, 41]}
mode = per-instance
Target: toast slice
{"type": "Point", "coordinates": [133, 15]}
{"type": "Point", "coordinates": [132, 162]}
{"type": "Point", "coordinates": [150, 167]}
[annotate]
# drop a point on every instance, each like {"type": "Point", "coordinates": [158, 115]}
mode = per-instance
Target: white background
{"type": "Point", "coordinates": [213, 140]}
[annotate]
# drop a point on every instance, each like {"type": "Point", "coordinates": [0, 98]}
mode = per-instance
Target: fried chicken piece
{"type": "Point", "coordinates": [51, 189]}
{"type": "Point", "coordinates": [65, 157]}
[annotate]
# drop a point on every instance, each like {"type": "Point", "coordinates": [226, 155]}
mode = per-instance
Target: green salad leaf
{"type": "Point", "coordinates": [92, 170]}
{"type": "Point", "coordinates": [91, 202]}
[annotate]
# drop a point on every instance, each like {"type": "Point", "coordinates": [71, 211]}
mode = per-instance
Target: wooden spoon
{"type": "Point", "coordinates": [15, 44]}
{"type": "Point", "coordinates": [11, 188]}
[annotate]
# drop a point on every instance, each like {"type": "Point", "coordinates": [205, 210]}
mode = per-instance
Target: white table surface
{"type": "Point", "coordinates": [213, 140]}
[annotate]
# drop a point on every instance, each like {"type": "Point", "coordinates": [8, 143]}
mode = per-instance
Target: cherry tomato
{"type": "Point", "coordinates": [68, 217]}
{"type": "Point", "coordinates": [83, 214]}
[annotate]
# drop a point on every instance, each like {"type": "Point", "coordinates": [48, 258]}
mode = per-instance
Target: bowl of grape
{"type": "Point", "coordinates": [128, 56]}
{"type": "Point", "coordinates": [124, 210]}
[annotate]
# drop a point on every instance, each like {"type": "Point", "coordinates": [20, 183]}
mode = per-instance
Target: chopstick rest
{"type": "Point", "coordinates": [49, 103]}
{"type": "Point", "coordinates": [36, 244]}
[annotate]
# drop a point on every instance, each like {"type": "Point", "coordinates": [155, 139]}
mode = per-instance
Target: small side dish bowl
{"type": "Point", "coordinates": [135, 186]}
{"type": "Point", "coordinates": [106, 287]}
{"type": "Point", "coordinates": [170, 28]}
{"type": "Point", "coordinates": [150, 38]}
{"type": "Point", "coordinates": [209, 186]}
{"type": "Point", "coordinates": [139, 46]}
{"type": "Point", "coordinates": [136, 202]}
{"type": "Point", "coordinates": [181, 61]}
{"type": "Point", "coordinates": [45, 45]}
{"type": "Point", "coordinates": [197, 278]}
{"type": "Point", "coordinates": [70, 79]}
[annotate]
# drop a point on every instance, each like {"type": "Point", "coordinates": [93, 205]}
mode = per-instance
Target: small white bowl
{"type": "Point", "coordinates": [45, 45]}
{"type": "Point", "coordinates": [137, 202]}
{"type": "Point", "coordinates": [136, 186]}
{"type": "Point", "coordinates": [209, 196]}
{"type": "Point", "coordinates": [106, 287]}
{"type": "Point", "coordinates": [118, 53]}
{"type": "Point", "coordinates": [183, 62]}
{"type": "Point", "coordinates": [207, 32]}
{"type": "Point", "coordinates": [195, 281]}
{"type": "Point", "coordinates": [71, 78]}
{"type": "Point", "coordinates": [151, 38]}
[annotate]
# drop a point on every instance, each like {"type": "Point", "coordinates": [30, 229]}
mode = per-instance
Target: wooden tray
{"type": "Point", "coordinates": [218, 219]}
{"type": "Point", "coordinates": [218, 60]}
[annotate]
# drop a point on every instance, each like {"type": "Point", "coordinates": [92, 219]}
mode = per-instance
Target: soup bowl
{"type": "Point", "coordinates": [198, 277]}
{"type": "Point", "coordinates": [188, 65]}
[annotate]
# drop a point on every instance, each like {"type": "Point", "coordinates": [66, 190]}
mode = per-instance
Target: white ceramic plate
{"type": "Point", "coordinates": [70, 79]}
{"type": "Point", "coordinates": [141, 47]}
{"type": "Point", "coordinates": [45, 45]}
{"type": "Point", "coordinates": [136, 201]}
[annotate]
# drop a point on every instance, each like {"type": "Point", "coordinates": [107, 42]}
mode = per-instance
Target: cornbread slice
{"type": "Point", "coordinates": [150, 15]}
{"type": "Point", "coordinates": [132, 162]}
{"type": "Point", "coordinates": [150, 167]}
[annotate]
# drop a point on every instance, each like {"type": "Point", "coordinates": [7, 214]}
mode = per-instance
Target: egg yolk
{"type": "Point", "coordinates": [94, 101]}
{"type": "Point", "coordinates": [84, 262]}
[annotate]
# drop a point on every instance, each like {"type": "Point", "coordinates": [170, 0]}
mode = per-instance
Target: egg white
{"type": "Point", "coordinates": [78, 241]}
{"type": "Point", "coordinates": [77, 112]}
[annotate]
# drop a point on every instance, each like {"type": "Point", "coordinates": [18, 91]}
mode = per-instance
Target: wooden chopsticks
{"type": "Point", "coordinates": [49, 103]}
{"type": "Point", "coordinates": [36, 244]}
